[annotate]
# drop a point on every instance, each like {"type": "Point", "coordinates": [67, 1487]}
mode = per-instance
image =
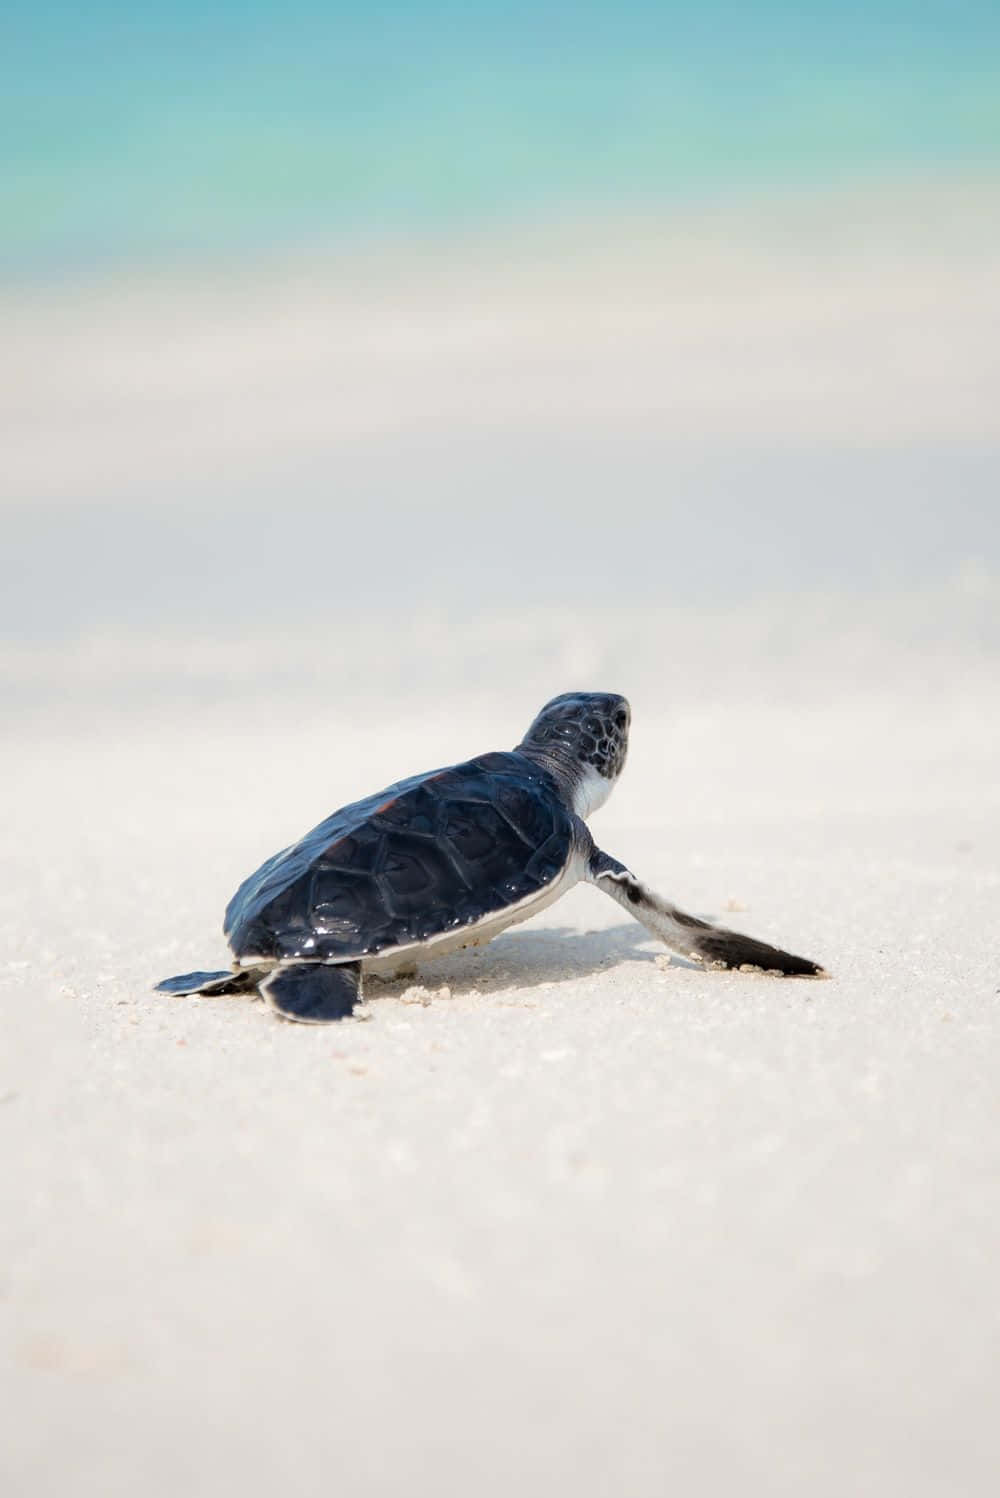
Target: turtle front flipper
{"type": "Point", "coordinates": [314, 993]}
{"type": "Point", "coordinates": [211, 983]}
{"type": "Point", "coordinates": [713, 946]}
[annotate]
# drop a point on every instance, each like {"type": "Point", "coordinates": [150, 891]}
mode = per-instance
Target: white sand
{"type": "Point", "coordinates": [862, 319]}
{"type": "Point", "coordinates": [588, 1223]}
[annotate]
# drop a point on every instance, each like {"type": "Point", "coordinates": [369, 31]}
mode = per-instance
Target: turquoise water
{"type": "Point", "coordinates": [137, 133]}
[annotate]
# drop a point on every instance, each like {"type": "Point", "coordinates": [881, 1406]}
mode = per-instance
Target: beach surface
{"type": "Point", "coordinates": [562, 1215]}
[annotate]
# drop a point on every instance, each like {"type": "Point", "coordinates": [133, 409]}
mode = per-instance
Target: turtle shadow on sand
{"type": "Point", "coordinates": [527, 959]}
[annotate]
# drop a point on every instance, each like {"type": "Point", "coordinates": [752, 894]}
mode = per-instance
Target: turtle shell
{"type": "Point", "coordinates": [420, 859]}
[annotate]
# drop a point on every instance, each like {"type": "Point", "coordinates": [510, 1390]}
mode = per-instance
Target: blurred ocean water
{"type": "Point", "coordinates": [424, 343]}
{"type": "Point", "coordinates": [134, 133]}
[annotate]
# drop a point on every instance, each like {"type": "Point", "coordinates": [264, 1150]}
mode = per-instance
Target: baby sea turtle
{"type": "Point", "coordinates": [447, 860]}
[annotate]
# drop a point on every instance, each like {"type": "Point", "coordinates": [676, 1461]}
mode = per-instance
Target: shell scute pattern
{"type": "Point", "coordinates": [421, 858]}
{"type": "Point", "coordinates": [358, 853]}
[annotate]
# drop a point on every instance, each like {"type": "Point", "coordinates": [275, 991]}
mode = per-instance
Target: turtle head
{"type": "Point", "coordinates": [582, 739]}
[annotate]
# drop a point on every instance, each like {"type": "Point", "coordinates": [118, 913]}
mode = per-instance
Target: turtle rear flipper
{"type": "Point", "coordinates": [314, 993]}
{"type": "Point", "coordinates": [210, 983]}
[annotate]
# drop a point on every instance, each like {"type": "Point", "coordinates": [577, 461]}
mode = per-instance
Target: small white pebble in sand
{"type": "Point", "coordinates": [417, 994]}
{"type": "Point", "coordinates": [363, 1011]}
{"type": "Point", "coordinates": [750, 967]}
